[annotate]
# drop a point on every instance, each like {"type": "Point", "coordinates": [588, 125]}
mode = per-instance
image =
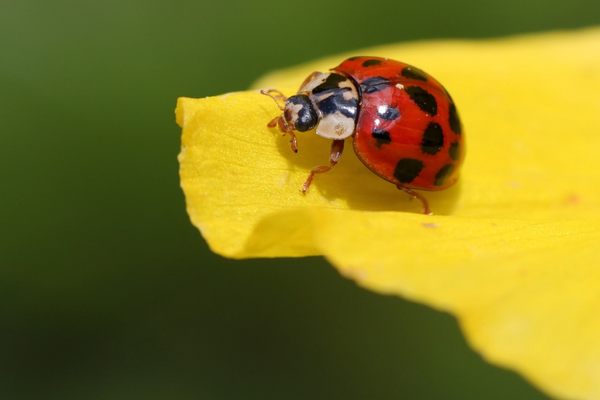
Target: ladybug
{"type": "Point", "coordinates": [404, 124]}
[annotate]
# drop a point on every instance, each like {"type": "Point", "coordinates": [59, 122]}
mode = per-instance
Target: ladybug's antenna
{"type": "Point", "coordinates": [278, 96]}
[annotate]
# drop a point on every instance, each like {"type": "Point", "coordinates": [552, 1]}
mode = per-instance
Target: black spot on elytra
{"type": "Point", "coordinates": [454, 151]}
{"type": "Point", "coordinates": [453, 119]}
{"type": "Point", "coordinates": [371, 62]}
{"type": "Point", "coordinates": [332, 82]}
{"type": "Point", "coordinates": [433, 139]}
{"type": "Point", "coordinates": [414, 73]}
{"type": "Point", "coordinates": [354, 58]}
{"type": "Point", "coordinates": [443, 174]}
{"type": "Point", "coordinates": [407, 170]}
{"type": "Point", "coordinates": [423, 98]}
{"type": "Point", "coordinates": [381, 136]}
{"type": "Point", "coordinates": [374, 84]}
{"type": "Point", "coordinates": [390, 113]}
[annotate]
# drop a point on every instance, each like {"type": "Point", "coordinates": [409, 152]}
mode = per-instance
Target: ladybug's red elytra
{"type": "Point", "coordinates": [404, 124]}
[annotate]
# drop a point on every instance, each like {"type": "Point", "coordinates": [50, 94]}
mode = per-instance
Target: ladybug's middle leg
{"type": "Point", "coordinates": [336, 152]}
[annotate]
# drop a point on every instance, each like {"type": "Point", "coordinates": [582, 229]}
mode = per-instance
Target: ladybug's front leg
{"type": "Point", "coordinates": [336, 152]}
{"type": "Point", "coordinates": [416, 195]}
{"type": "Point", "coordinates": [285, 128]}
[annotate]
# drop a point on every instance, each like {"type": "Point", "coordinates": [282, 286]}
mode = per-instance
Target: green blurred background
{"type": "Point", "coordinates": [106, 289]}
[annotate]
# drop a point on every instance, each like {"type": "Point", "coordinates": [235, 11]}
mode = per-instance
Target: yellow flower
{"type": "Point", "coordinates": [513, 250]}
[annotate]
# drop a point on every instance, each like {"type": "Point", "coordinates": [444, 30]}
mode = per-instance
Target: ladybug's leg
{"type": "Point", "coordinates": [285, 128]}
{"type": "Point", "coordinates": [310, 78]}
{"type": "Point", "coordinates": [416, 195]}
{"type": "Point", "coordinates": [336, 152]}
{"type": "Point", "coordinates": [273, 122]}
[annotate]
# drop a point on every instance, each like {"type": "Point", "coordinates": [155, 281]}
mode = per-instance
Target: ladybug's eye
{"type": "Point", "coordinates": [300, 113]}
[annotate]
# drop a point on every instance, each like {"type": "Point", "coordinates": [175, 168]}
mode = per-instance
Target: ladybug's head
{"type": "Point", "coordinates": [300, 113]}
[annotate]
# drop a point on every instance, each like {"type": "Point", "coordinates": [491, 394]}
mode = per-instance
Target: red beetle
{"type": "Point", "coordinates": [404, 124]}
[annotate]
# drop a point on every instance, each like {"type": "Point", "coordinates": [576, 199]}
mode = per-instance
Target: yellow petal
{"type": "Point", "coordinates": [511, 250]}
